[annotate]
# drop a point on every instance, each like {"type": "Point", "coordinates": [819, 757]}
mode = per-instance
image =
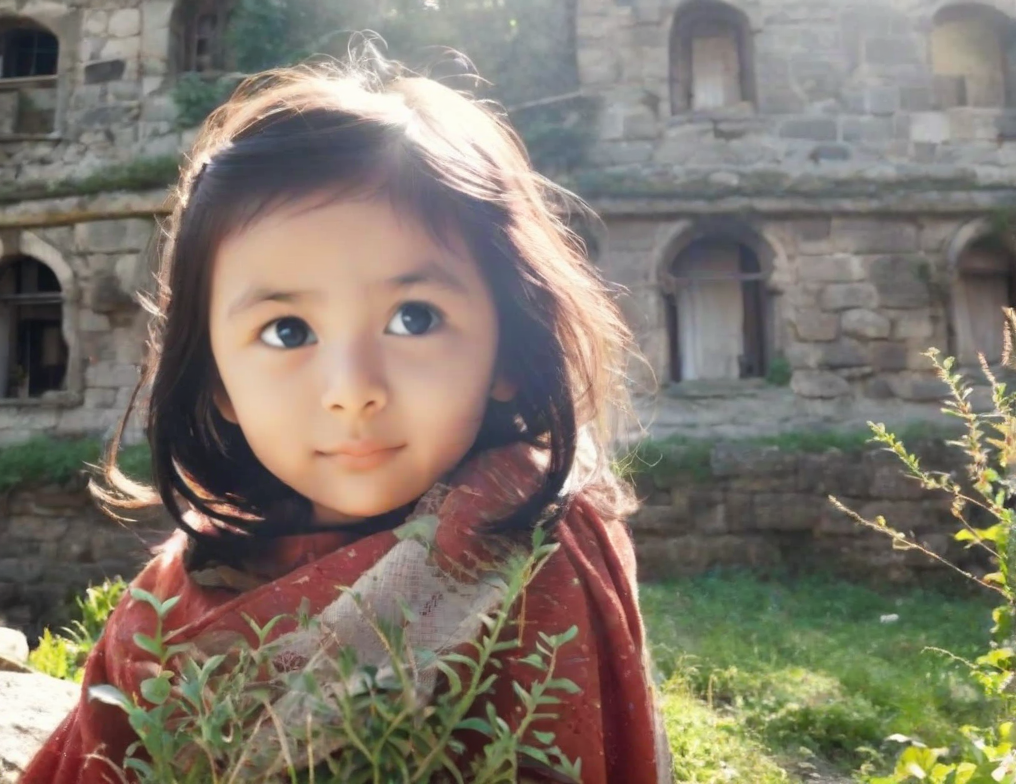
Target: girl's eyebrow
{"type": "Point", "coordinates": [257, 295]}
{"type": "Point", "coordinates": [429, 273]}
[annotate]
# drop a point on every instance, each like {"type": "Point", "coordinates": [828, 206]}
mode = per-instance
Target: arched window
{"type": "Point", "coordinates": [717, 311]}
{"type": "Point", "coordinates": [711, 58]}
{"type": "Point", "coordinates": [28, 67]}
{"type": "Point", "coordinates": [199, 33]}
{"type": "Point", "coordinates": [33, 354]}
{"type": "Point", "coordinates": [973, 48]}
{"type": "Point", "coordinates": [985, 284]}
{"type": "Point", "coordinates": [26, 49]}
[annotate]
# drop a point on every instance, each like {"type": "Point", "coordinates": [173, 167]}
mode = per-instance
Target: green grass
{"type": "Point", "coordinates": [44, 460]}
{"type": "Point", "coordinates": [762, 675]}
{"type": "Point", "coordinates": [692, 456]}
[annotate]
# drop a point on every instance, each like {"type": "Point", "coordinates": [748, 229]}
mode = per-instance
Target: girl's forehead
{"type": "Point", "coordinates": [358, 241]}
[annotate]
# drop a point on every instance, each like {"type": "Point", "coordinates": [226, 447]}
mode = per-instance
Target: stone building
{"type": "Point", "coordinates": [795, 187]}
{"type": "Point", "coordinates": [85, 87]}
{"type": "Point", "coordinates": [811, 186]}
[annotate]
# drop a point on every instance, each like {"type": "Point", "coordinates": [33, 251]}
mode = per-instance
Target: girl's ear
{"type": "Point", "coordinates": [503, 390]}
{"type": "Point", "coordinates": [223, 403]}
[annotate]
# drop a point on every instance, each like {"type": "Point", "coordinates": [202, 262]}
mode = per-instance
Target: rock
{"type": "Point", "coordinates": [13, 645]}
{"type": "Point", "coordinates": [816, 383]}
{"type": "Point", "coordinates": [34, 705]}
{"type": "Point", "coordinates": [846, 296]}
{"type": "Point", "coordinates": [860, 323]}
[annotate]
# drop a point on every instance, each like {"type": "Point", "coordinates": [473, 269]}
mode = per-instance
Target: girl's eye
{"type": "Point", "coordinates": [288, 332]}
{"type": "Point", "coordinates": [414, 318]}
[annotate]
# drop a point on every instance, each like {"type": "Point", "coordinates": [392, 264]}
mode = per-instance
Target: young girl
{"type": "Point", "coordinates": [370, 315]}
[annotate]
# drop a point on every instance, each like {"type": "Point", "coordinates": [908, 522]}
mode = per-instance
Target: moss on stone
{"type": "Point", "coordinates": [140, 174]}
{"type": "Point", "coordinates": [47, 460]}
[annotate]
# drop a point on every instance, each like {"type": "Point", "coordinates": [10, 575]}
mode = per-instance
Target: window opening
{"type": "Point", "coordinates": [717, 312]}
{"type": "Point", "coordinates": [31, 329]}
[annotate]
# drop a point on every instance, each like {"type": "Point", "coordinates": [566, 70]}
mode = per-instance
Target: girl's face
{"type": "Point", "coordinates": [357, 353]}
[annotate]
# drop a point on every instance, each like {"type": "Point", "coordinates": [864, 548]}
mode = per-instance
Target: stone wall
{"type": "Point", "coordinates": [769, 509]}
{"type": "Point", "coordinates": [840, 87]}
{"type": "Point", "coordinates": [740, 507]}
{"type": "Point", "coordinates": [54, 542]}
{"type": "Point", "coordinates": [101, 266]}
{"type": "Point", "coordinates": [856, 299]}
{"type": "Point", "coordinates": [113, 93]}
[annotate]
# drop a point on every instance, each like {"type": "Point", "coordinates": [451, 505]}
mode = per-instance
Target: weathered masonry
{"type": "Point", "coordinates": [811, 185]}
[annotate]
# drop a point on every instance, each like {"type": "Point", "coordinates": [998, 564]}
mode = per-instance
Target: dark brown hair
{"type": "Point", "coordinates": [337, 133]}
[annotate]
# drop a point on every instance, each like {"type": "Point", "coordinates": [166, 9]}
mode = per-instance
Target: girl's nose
{"type": "Point", "coordinates": [354, 380]}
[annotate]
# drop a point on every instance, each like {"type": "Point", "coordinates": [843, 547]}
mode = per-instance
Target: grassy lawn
{"type": "Point", "coordinates": [783, 681]}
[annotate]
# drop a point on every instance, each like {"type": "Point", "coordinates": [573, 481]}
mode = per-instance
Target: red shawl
{"type": "Point", "coordinates": [610, 724]}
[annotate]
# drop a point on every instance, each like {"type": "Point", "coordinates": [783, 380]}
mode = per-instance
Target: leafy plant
{"type": "Point", "coordinates": [216, 719]}
{"type": "Point", "coordinates": [779, 372]}
{"type": "Point", "coordinates": [983, 505]}
{"type": "Point", "coordinates": [196, 96]}
{"type": "Point", "coordinates": [63, 656]}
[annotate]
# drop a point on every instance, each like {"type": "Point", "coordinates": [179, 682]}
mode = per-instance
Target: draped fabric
{"type": "Point", "coordinates": [432, 563]}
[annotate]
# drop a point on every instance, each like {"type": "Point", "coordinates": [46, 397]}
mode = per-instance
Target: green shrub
{"type": "Point", "coordinates": [63, 656]}
{"type": "Point", "coordinates": [983, 509]}
{"type": "Point", "coordinates": [213, 719]}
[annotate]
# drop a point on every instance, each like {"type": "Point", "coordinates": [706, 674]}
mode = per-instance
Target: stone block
{"type": "Point", "coordinates": [130, 234]}
{"type": "Point", "coordinates": [844, 353]}
{"type": "Point", "coordinates": [120, 49]}
{"type": "Point", "coordinates": [913, 325]}
{"type": "Point", "coordinates": [882, 101]}
{"type": "Point", "coordinates": [638, 123]}
{"type": "Point", "coordinates": [930, 128]}
{"type": "Point", "coordinates": [878, 389]}
{"type": "Point", "coordinates": [916, 99]}
{"type": "Point", "coordinates": [918, 387]}
{"type": "Point", "coordinates": [846, 296]}
{"type": "Point", "coordinates": [104, 71]}
{"type": "Point", "coordinates": [867, 324]}
{"type": "Point", "coordinates": [124, 22]}
{"type": "Point", "coordinates": [784, 512]}
{"type": "Point", "coordinates": [888, 356]}
{"type": "Point", "coordinates": [818, 384]}
{"type": "Point", "coordinates": [816, 325]}
{"type": "Point", "coordinates": [901, 282]}
{"type": "Point", "coordinates": [890, 51]}
{"type": "Point", "coordinates": [872, 236]}
{"type": "Point", "coordinates": [111, 375]}
{"type": "Point", "coordinates": [841, 268]}
{"type": "Point", "coordinates": [831, 152]}
{"type": "Point", "coordinates": [13, 646]}
{"type": "Point", "coordinates": [867, 130]}
{"type": "Point", "coordinates": [94, 23]}
{"type": "Point", "coordinates": [811, 230]}
{"type": "Point", "coordinates": [817, 129]}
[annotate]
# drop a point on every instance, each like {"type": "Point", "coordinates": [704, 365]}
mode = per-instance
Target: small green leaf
{"type": "Point", "coordinates": [454, 681]}
{"type": "Point", "coordinates": [156, 690]}
{"type": "Point", "coordinates": [476, 724]}
{"type": "Point", "coordinates": [167, 605]}
{"type": "Point", "coordinates": [546, 738]}
{"type": "Point", "coordinates": [110, 696]}
{"type": "Point", "coordinates": [146, 643]}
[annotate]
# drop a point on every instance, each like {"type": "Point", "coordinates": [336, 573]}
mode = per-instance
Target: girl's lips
{"type": "Point", "coordinates": [361, 455]}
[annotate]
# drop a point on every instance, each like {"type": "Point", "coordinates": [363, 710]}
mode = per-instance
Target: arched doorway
{"type": "Point", "coordinates": [973, 56]}
{"type": "Point", "coordinates": [985, 284]}
{"type": "Point", "coordinates": [718, 312]}
{"type": "Point", "coordinates": [711, 58]}
{"type": "Point", "coordinates": [33, 353]}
